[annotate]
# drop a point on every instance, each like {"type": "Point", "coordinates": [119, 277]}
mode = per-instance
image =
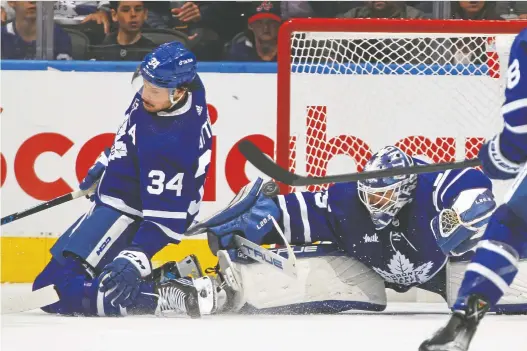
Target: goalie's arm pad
{"type": "Point", "coordinates": [305, 217]}
{"type": "Point", "coordinates": [455, 228]}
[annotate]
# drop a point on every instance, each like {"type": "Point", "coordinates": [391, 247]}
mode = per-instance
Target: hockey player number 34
{"type": "Point", "coordinates": [158, 183]}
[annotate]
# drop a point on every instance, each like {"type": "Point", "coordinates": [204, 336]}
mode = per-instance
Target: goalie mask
{"type": "Point", "coordinates": [384, 197]}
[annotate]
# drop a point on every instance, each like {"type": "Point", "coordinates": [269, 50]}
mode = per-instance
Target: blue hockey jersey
{"type": "Point", "coordinates": [513, 140]}
{"type": "Point", "coordinates": [405, 252]}
{"type": "Point", "coordinates": [157, 168]}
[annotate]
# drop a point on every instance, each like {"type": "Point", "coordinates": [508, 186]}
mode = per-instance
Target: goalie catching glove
{"type": "Point", "coordinates": [455, 228]}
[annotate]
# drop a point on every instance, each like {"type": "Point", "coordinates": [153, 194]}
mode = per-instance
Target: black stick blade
{"type": "Point", "coordinates": [264, 164]}
{"type": "Point", "coordinates": [267, 166]}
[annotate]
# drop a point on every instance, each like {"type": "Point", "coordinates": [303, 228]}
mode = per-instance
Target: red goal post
{"type": "Point", "coordinates": [347, 87]}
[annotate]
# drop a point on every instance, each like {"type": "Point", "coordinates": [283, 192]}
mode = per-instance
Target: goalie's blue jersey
{"type": "Point", "coordinates": [405, 252]}
{"type": "Point", "coordinates": [157, 168]}
{"type": "Point", "coordinates": [513, 138]}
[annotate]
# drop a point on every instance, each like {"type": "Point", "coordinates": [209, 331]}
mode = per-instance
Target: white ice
{"type": "Point", "coordinates": [35, 330]}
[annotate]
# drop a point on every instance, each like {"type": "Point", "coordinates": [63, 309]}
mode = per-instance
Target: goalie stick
{"type": "Point", "coordinates": [267, 166]}
{"type": "Point", "coordinates": [262, 255]}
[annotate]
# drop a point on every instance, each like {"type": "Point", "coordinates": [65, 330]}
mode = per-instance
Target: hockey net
{"type": "Point", "coordinates": [346, 88]}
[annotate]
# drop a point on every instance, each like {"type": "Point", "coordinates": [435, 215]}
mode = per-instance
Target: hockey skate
{"type": "Point", "coordinates": [177, 296]}
{"type": "Point", "coordinates": [187, 267]}
{"type": "Point", "coordinates": [181, 288]}
{"type": "Point", "coordinates": [461, 327]}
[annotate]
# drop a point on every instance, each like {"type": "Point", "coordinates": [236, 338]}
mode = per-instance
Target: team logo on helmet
{"type": "Point", "coordinates": [184, 62]}
{"type": "Point", "coordinates": [153, 63]}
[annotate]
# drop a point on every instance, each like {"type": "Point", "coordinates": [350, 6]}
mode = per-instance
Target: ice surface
{"type": "Point", "coordinates": [36, 330]}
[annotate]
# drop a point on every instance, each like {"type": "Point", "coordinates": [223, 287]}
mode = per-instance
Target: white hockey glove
{"type": "Point", "coordinates": [457, 228]}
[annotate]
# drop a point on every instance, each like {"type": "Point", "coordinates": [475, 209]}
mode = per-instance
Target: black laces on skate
{"type": "Point", "coordinates": [213, 270]}
{"type": "Point", "coordinates": [216, 270]}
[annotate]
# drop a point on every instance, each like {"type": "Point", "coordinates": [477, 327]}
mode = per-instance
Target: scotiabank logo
{"type": "Point", "coordinates": [23, 164]}
{"type": "Point", "coordinates": [320, 149]}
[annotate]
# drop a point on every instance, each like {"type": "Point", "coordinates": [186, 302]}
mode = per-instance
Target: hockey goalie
{"type": "Point", "coordinates": [395, 232]}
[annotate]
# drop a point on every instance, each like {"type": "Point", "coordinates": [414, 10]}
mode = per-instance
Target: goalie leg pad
{"type": "Point", "coordinates": [97, 237]}
{"type": "Point", "coordinates": [332, 282]}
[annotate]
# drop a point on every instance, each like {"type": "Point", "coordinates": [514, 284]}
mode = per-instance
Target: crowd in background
{"type": "Point", "coordinates": [214, 31]}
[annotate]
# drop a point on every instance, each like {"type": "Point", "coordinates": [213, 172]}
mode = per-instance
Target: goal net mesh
{"type": "Point", "coordinates": [431, 94]}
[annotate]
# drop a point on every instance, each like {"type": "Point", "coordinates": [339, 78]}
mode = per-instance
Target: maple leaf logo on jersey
{"type": "Point", "coordinates": [402, 271]}
{"type": "Point", "coordinates": [118, 150]}
{"type": "Point", "coordinates": [119, 147]}
{"type": "Point", "coordinates": [199, 109]}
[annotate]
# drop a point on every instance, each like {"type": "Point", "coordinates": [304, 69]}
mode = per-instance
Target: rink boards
{"type": "Point", "coordinates": [56, 120]}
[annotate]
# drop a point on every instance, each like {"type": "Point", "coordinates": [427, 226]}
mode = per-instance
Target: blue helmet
{"type": "Point", "coordinates": [170, 65]}
{"type": "Point", "coordinates": [384, 197]}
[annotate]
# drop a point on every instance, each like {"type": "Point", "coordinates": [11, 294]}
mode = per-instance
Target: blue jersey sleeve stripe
{"type": "Point", "coordinates": [489, 274]}
{"type": "Point", "coordinates": [164, 214]}
{"type": "Point", "coordinates": [295, 218]}
{"type": "Point", "coordinates": [517, 129]}
{"type": "Point", "coordinates": [437, 186]}
{"type": "Point", "coordinates": [490, 246]}
{"type": "Point", "coordinates": [119, 204]}
{"type": "Point", "coordinates": [513, 106]}
{"type": "Point", "coordinates": [168, 232]}
{"type": "Point", "coordinates": [286, 219]}
{"type": "Point", "coordinates": [304, 216]}
{"type": "Point", "coordinates": [452, 182]}
{"type": "Point", "coordinates": [505, 164]}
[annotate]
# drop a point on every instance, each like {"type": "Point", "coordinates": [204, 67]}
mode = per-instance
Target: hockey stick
{"type": "Point", "coordinates": [30, 301]}
{"type": "Point", "coordinates": [262, 255]}
{"type": "Point", "coordinates": [49, 204]}
{"type": "Point", "coordinates": [267, 166]}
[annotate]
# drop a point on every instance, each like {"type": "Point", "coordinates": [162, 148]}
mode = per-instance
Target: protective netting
{"type": "Point", "coordinates": [471, 55]}
{"type": "Point", "coordinates": [436, 95]}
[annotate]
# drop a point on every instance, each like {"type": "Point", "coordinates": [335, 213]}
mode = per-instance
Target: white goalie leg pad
{"type": "Point", "coordinates": [515, 295]}
{"type": "Point", "coordinates": [324, 278]}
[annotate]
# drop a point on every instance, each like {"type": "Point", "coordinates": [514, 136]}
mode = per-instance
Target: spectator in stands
{"type": "Point", "coordinates": [69, 12]}
{"type": "Point", "coordinates": [475, 10]}
{"type": "Point", "coordinates": [19, 36]}
{"type": "Point", "coordinates": [383, 9]}
{"type": "Point", "coordinates": [188, 17]}
{"type": "Point", "coordinates": [315, 9]}
{"type": "Point", "coordinates": [512, 10]}
{"type": "Point", "coordinates": [259, 42]}
{"type": "Point", "coordinates": [89, 17]}
{"type": "Point", "coordinates": [7, 14]}
{"type": "Point", "coordinates": [227, 18]}
{"type": "Point", "coordinates": [127, 44]}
